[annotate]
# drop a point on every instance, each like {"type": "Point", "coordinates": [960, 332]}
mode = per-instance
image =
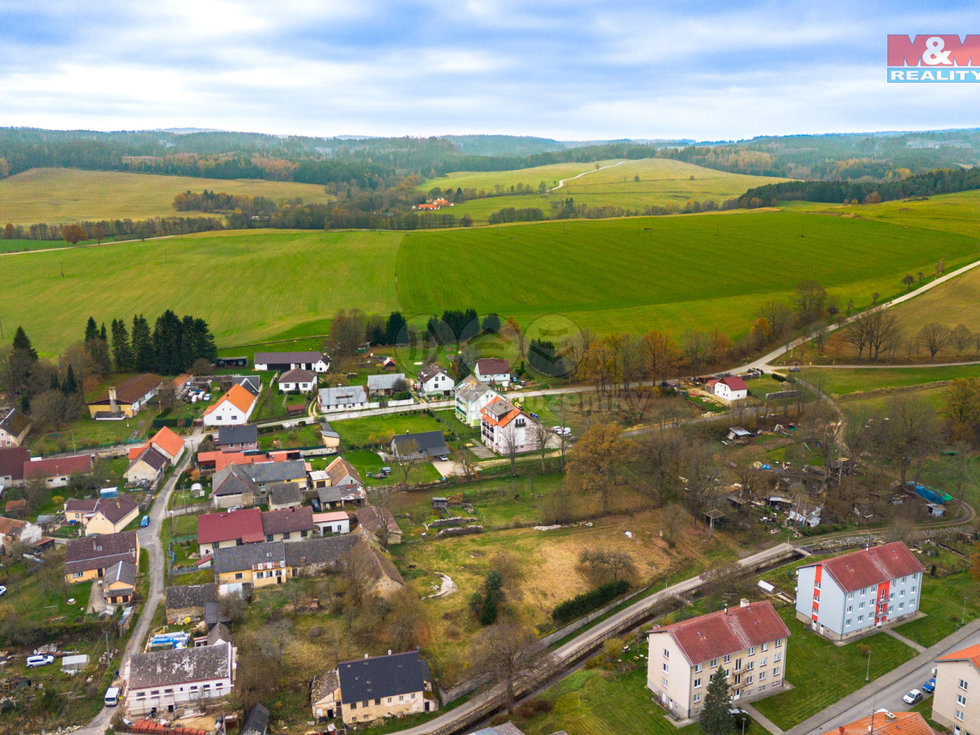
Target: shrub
{"type": "Point", "coordinates": [588, 601]}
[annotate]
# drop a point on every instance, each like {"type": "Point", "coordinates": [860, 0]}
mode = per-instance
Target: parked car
{"type": "Point", "coordinates": [3, 590]}
{"type": "Point", "coordinates": [914, 696]}
{"type": "Point", "coordinates": [34, 661]}
{"type": "Point", "coordinates": [930, 686]}
{"type": "Point", "coordinates": [144, 521]}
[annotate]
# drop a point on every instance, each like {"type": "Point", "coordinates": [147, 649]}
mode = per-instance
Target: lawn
{"type": "Point", "coordinates": [304, 435]}
{"type": "Point", "coordinates": [943, 602]}
{"type": "Point", "coordinates": [954, 302]}
{"type": "Point", "coordinates": [633, 185]}
{"type": "Point", "coordinates": [150, 277]}
{"type": "Point", "coordinates": [367, 462]}
{"type": "Point", "coordinates": [377, 431]}
{"type": "Point", "coordinates": [87, 433]}
{"type": "Point", "coordinates": [678, 281]}
{"type": "Point", "coordinates": [822, 673]}
{"type": "Point", "coordinates": [58, 195]}
{"type": "Point", "coordinates": [845, 381]}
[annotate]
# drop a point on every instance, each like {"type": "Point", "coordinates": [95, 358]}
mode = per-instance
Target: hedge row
{"type": "Point", "coordinates": [588, 601]}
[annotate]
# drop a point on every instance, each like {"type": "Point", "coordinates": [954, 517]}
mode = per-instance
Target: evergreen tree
{"type": "Point", "coordinates": [396, 329]}
{"type": "Point", "coordinates": [168, 343]}
{"type": "Point", "coordinates": [53, 383]}
{"type": "Point", "coordinates": [491, 323]}
{"type": "Point", "coordinates": [91, 330]}
{"type": "Point", "coordinates": [70, 384]}
{"type": "Point", "coordinates": [122, 353]}
{"type": "Point", "coordinates": [23, 342]}
{"type": "Point", "coordinates": [102, 333]}
{"type": "Point", "coordinates": [143, 355]}
{"type": "Point", "coordinates": [716, 717]}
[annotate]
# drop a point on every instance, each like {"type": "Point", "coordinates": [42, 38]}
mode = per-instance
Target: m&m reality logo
{"type": "Point", "coordinates": [940, 58]}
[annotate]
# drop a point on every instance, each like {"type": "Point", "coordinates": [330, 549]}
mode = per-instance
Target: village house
{"type": "Point", "coordinates": [12, 461]}
{"type": "Point", "coordinates": [421, 445]}
{"type": "Point", "coordinates": [223, 530]}
{"type": "Point", "coordinates": [748, 641]}
{"type": "Point", "coordinates": [291, 524]}
{"type": "Point", "coordinates": [342, 473]}
{"type": "Point", "coordinates": [369, 519]}
{"type": "Point", "coordinates": [504, 428]}
{"type": "Point", "coordinates": [185, 602]}
{"type": "Point", "coordinates": [343, 398]}
{"type": "Point", "coordinates": [217, 460]}
{"type": "Point", "coordinates": [231, 486]}
{"type": "Point", "coordinates": [241, 438]}
{"type": "Point", "coordinates": [234, 407]}
{"type": "Point", "coordinates": [299, 381]}
{"type": "Point", "coordinates": [332, 523]}
{"type": "Point", "coordinates": [260, 564]}
{"type": "Point", "coordinates": [13, 530]}
{"type": "Point", "coordinates": [127, 399]}
{"type": "Point", "coordinates": [330, 438]}
{"type": "Point", "coordinates": [101, 515]}
{"type": "Point", "coordinates": [89, 557]}
{"type": "Point", "coordinates": [119, 583]}
{"type": "Point", "coordinates": [58, 471]}
{"type": "Point", "coordinates": [148, 466]}
{"type": "Point", "coordinates": [386, 385]}
{"type": "Point", "coordinates": [492, 370]}
{"type": "Point", "coordinates": [729, 389]}
{"type": "Point", "coordinates": [372, 688]}
{"type": "Point", "coordinates": [165, 441]}
{"type": "Point", "coordinates": [331, 497]}
{"type": "Point", "coordinates": [471, 397]}
{"type": "Point", "coordinates": [285, 495]}
{"type": "Point", "coordinates": [13, 427]}
{"type": "Point", "coordinates": [858, 592]}
{"type": "Point", "coordinates": [434, 380]}
{"type": "Point", "coordinates": [167, 680]}
{"type": "Point", "coordinates": [955, 703]}
{"type": "Point", "coordinates": [283, 361]}
{"type": "Point", "coordinates": [266, 474]}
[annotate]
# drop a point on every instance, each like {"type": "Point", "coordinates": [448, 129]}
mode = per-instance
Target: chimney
{"type": "Point", "coordinates": [113, 407]}
{"type": "Point", "coordinates": [744, 602]}
{"type": "Point", "coordinates": [841, 730]}
{"type": "Point", "coordinates": [389, 651]}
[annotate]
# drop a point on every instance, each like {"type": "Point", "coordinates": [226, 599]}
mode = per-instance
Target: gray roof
{"type": "Point", "coordinates": [244, 434]}
{"type": "Point", "coordinates": [191, 595]}
{"type": "Point", "coordinates": [265, 473]}
{"type": "Point", "coordinates": [287, 520]}
{"type": "Point", "coordinates": [152, 457]}
{"type": "Point", "coordinates": [329, 494]}
{"type": "Point", "coordinates": [214, 615]}
{"type": "Point", "coordinates": [240, 558]}
{"type": "Point", "coordinates": [283, 493]}
{"type": "Point", "coordinates": [382, 676]}
{"type": "Point", "coordinates": [298, 375]}
{"type": "Point", "coordinates": [506, 728]}
{"type": "Point", "coordinates": [430, 371]}
{"type": "Point", "coordinates": [251, 383]}
{"type": "Point", "coordinates": [343, 395]}
{"type": "Point", "coordinates": [219, 632]}
{"type": "Point", "coordinates": [176, 666]}
{"type": "Point", "coordinates": [122, 571]}
{"type": "Point", "coordinates": [319, 549]}
{"type": "Point", "coordinates": [472, 389]}
{"type": "Point", "coordinates": [232, 480]}
{"type": "Point", "coordinates": [327, 430]}
{"type": "Point", "coordinates": [257, 722]}
{"type": "Point", "coordinates": [431, 443]}
{"type": "Point", "coordinates": [384, 382]}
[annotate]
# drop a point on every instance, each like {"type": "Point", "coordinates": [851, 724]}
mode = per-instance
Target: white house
{"type": "Point", "coordinates": [234, 407]}
{"type": "Point", "coordinates": [492, 370]}
{"type": "Point", "coordinates": [435, 381]}
{"type": "Point", "coordinates": [729, 389]}
{"type": "Point", "coordinates": [300, 380]}
{"type": "Point", "coordinates": [315, 361]}
{"type": "Point", "coordinates": [748, 641]}
{"type": "Point", "coordinates": [344, 398]}
{"type": "Point", "coordinates": [505, 428]}
{"type": "Point", "coordinates": [385, 385]}
{"type": "Point", "coordinates": [471, 397]}
{"type": "Point", "coordinates": [955, 703]}
{"type": "Point", "coordinates": [332, 522]}
{"type": "Point", "coordinates": [858, 592]}
{"type": "Point", "coordinates": [167, 680]}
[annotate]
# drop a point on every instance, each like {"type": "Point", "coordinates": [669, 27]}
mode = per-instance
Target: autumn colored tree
{"type": "Point", "coordinates": [658, 355]}
{"type": "Point", "coordinates": [73, 234]}
{"type": "Point", "coordinates": [598, 462]}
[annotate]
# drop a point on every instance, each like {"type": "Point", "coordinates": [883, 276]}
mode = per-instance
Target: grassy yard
{"type": "Point", "coordinates": [87, 433]}
{"type": "Point", "coordinates": [368, 462]}
{"type": "Point", "coordinates": [846, 381]}
{"type": "Point", "coordinates": [943, 602]}
{"type": "Point", "coordinates": [821, 673]}
{"type": "Point", "coordinates": [377, 431]}
{"type": "Point", "coordinates": [304, 435]}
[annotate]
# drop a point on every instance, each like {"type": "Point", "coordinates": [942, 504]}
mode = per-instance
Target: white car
{"type": "Point", "coordinates": [3, 590]}
{"type": "Point", "coordinates": [34, 661]}
{"type": "Point", "coordinates": [912, 697]}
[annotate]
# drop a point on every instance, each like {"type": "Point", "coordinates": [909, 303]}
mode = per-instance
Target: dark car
{"type": "Point", "coordinates": [930, 686]}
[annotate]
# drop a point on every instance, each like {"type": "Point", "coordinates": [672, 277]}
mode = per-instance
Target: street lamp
{"type": "Point", "coordinates": [867, 673]}
{"type": "Point", "coordinates": [963, 619]}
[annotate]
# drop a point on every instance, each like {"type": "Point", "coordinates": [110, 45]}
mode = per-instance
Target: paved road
{"type": "Point", "coordinates": [150, 540]}
{"type": "Point", "coordinates": [887, 691]}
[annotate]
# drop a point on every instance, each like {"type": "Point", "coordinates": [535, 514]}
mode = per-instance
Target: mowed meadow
{"type": "Point", "coordinates": [61, 195]}
{"type": "Point", "coordinates": [670, 273]}
{"type": "Point", "coordinates": [630, 184]}
{"type": "Point", "coordinates": [248, 285]}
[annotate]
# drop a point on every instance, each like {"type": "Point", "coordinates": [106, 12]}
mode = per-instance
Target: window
{"type": "Point", "coordinates": [847, 622]}
{"type": "Point", "coordinates": [728, 658]}
{"type": "Point", "coordinates": [697, 697]}
{"type": "Point", "coordinates": [168, 691]}
{"type": "Point", "coordinates": [964, 684]}
{"type": "Point", "coordinates": [666, 669]}
{"type": "Point", "coordinates": [714, 663]}
{"type": "Point", "coordinates": [401, 697]}
{"type": "Point", "coordinates": [752, 651]}
{"type": "Point", "coordinates": [697, 683]}
{"type": "Point", "coordinates": [664, 683]}
{"type": "Point", "coordinates": [958, 714]}
{"type": "Point", "coordinates": [860, 618]}
{"type": "Point", "coordinates": [850, 608]}
{"type": "Point", "coordinates": [748, 679]}
{"type": "Point", "coordinates": [762, 676]}
{"type": "Point", "coordinates": [960, 699]}
{"type": "Point", "coordinates": [763, 661]}
{"type": "Point", "coordinates": [765, 647]}
{"type": "Point", "coordinates": [861, 606]}
{"type": "Point", "coordinates": [776, 657]}
{"type": "Point", "coordinates": [666, 653]}
{"type": "Point", "coordinates": [779, 642]}
{"type": "Point", "coordinates": [901, 605]}
{"type": "Point", "coordinates": [353, 705]}
{"type": "Point", "coordinates": [378, 700]}
{"type": "Point", "coordinates": [698, 668]}
{"type": "Point", "coordinates": [775, 671]}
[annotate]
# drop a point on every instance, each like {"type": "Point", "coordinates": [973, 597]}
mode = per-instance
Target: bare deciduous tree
{"type": "Point", "coordinates": [934, 337]}
{"type": "Point", "coordinates": [504, 651]}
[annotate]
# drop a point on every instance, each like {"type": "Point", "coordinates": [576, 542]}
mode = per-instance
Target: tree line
{"type": "Point", "coordinates": [100, 230]}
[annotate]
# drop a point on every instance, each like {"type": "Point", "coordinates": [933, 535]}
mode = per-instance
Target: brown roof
{"type": "Point", "coordinates": [901, 723]}
{"type": "Point", "coordinates": [297, 375]}
{"type": "Point", "coordinates": [287, 520]}
{"type": "Point", "coordinates": [339, 469]}
{"type": "Point", "coordinates": [152, 457]}
{"type": "Point", "coordinates": [369, 518]}
{"type": "Point", "coordinates": [492, 366]}
{"type": "Point", "coordinates": [727, 631]}
{"type": "Point", "coordinates": [100, 552]}
{"type": "Point", "coordinates": [114, 509]}
{"type": "Point", "coordinates": [75, 464]}
{"type": "Point", "coordinates": [12, 461]}
{"type": "Point", "coordinates": [131, 390]}
{"type": "Point", "coordinates": [14, 422]}
{"type": "Point", "coordinates": [870, 567]}
{"type": "Point", "coordinates": [9, 526]}
{"type": "Point", "coordinates": [15, 505]}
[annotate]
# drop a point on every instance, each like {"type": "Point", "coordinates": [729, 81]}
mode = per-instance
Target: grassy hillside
{"type": "Point", "coordinates": [56, 195]}
{"type": "Point", "coordinates": [671, 273]}
{"type": "Point", "coordinates": [633, 185]}
{"type": "Point", "coordinates": [248, 286]}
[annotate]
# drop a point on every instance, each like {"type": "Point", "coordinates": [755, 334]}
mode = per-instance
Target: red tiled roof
{"type": "Point", "coordinates": [869, 567]}
{"type": "Point", "coordinates": [735, 383]}
{"type": "Point", "coordinates": [237, 396]}
{"type": "Point", "coordinates": [492, 366]}
{"type": "Point", "coordinates": [727, 631]}
{"type": "Point", "coordinates": [243, 524]}
{"type": "Point", "coordinates": [15, 505]}
{"type": "Point", "coordinates": [223, 459]}
{"type": "Point", "coordinates": [902, 723]}
{"type": "Point", "coordinates": [9, 525]}
{"type": "Point", "coordinates": [499, 412]}
{"type": "Point", "coordinates": [971, 654]}
{"type": "Point", "coordinates": [168, 441]}
{"type": "Point", "coordinates": [78, 463]}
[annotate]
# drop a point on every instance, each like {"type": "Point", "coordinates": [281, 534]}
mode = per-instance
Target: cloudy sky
{"type": "Point", "coordinates": [568, 70]}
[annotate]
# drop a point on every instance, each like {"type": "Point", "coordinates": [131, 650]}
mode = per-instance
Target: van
{"type": "Point", "coordinates": [112, 696]}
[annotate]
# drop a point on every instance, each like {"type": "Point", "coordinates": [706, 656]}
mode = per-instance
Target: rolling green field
{"type": "Point", "coordinates": [633, 185]}
{"type": "Point", "coordinates": [248, 286]}
{"type": "Point", "coordinates": [669, 273]}
{"type": "Point", "coordinates": [845, 381]}
{"type": "Point", "coordinates": [58, 195]}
